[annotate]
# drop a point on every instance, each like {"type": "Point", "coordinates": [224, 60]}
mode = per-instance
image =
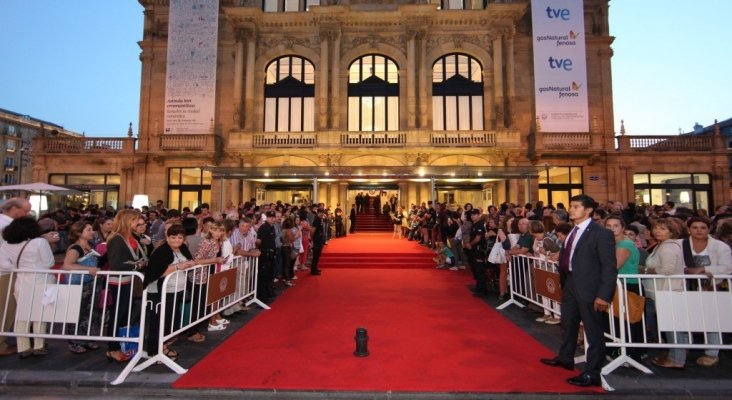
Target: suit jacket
{"type": "Point", "coordinates": [594, 266]}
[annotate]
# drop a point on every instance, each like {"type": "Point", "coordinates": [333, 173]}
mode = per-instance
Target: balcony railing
{"type": "Point", "coordinates": [382, 139]}
{"type": "Point", "coordinates": [285, 140]}
{"type": "Point", "coordinates": [79, 145]}
{"type": "Point", "coordinates": [566, 140]}
{"type": "Point", "coordinates": [463, 139]}
{"type": "Point", "coordinates": [186, 142]}
{"type": "Point", "coordinates": [667, 143]}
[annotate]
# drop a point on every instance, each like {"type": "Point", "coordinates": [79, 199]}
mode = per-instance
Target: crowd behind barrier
{"type": "Point", "coordinates": [681, 312]}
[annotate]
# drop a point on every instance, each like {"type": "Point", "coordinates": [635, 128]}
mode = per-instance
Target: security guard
{"type": "Point", "coordinates": [266, 241]}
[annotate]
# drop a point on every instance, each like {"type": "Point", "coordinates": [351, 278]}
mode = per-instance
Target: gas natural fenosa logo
{"type": "Point", "coordinates": [571, 90]}
{"type": "Point", "coordinates": [569, 39]}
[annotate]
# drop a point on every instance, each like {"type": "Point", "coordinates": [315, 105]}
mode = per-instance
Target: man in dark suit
{"type": "Point", "coordinates": [587, 261]}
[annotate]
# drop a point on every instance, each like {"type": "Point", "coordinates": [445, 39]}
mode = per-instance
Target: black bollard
{"type": "Point", "coordinates": [362, 343]}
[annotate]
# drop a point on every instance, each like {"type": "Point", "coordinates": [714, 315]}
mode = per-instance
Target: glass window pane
{"type": "Point", "coordinates": [574, 192]}
{"type": "Point", "coordinates": [272, 73]}
{"type": "Point", "coordinates": [354, 104]}
{"type": "Point", "coordinates": [576, 174]}
{"type": "Point", "coordinates": [476, 72]}
{"type": "Point", "coordinates": [189, 199]}
{"type": "Point", "coordinates": [283, 110]}
{"type": "Point", "coordinates": [309, 112]}
{"type": "Point", "coordinates": [354, 73]}
{"type": "Point", "coordinates": [296, 70]}
{"type": "Point", "coordinates": [642, 196]}
{"type": "Point", "coordinates": [270, 112]}
{"type": "Point", "coordinates": [207, 176]}
{"type": "Point", "coordinates": [113, 179]}
{"type": "Point", "coordinates": [451, 117]}
{"type": "Point", "coordinates": [543, 178]}
{"type": "Point", "coordinates": [292, 5]}
{"type": "Point", "coordinates": [380, 67]}
{"type": "Point", "coordinates": [269, 6]}
{"type": "Point", "coordinates": [544, 196]}
{"type": "Point", "coordinates": [190, 176]}
{"type": "Point", "coordinates": [559, 175]}
{"type": "Point", "coordinates": [393, 104]}
{"type": "Point", "coordinates": [309, 73]}
{"type": "Point", "coordinates": [113, 199]}
{"type": "Point", "coordinates": [658, 197]}
{"type": "Point", "coordinates": [701, 178]}
{"type": "Point", "coordinates": [206, 196]}
{"type": "Point", "coordinates": [367, 114]}
{"type": "Point", "coordinates": [464, 113]}
{"type": "Point", "coordinates": [296, 115]}
{"type": "Point", "coordinates": [85, 180]}
{"type": "Point", "coordinates": [379, 114]}
{"type": "Point", "coordinates": [560, 196]}
{"type": "Point", "coordinates": [174, 176]}
{"type": "Point", "coordinates": [463, 65]}
{"type": "Point", "coordinates": [671, 178]}
{"type": "Point", "coordinates": [368, 67]}
{"type": "Point", "coordinates": [450, 68]}
{"type": "Point", "coordinates": [393, 76]}
{"type": "Point", "coordinates": [437, 71]}
{"type": "Point", "coordinates": [438, 121]}
{"type": "Point", "coordinates": [702, 200]}
{"type": "Point", "coordinates": [97, 197]}
{"type": "Point", "coordinates": [57, 180]}
{"type": "Point", "coordinates": [640, 179]}
{"type": "Point", "coordinates": [477, 114]}
{"type": "Point", "coordinates": [455, 4]}
{"type": "Point", "coordinates": [174, 199]}
{"type": "Point", "coordinates": [284, 68]}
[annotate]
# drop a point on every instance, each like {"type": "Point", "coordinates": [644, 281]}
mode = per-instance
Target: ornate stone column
{"type": "Point", "coordinates": [411, 78]}
{"type": "Point", "coordinates": [249, 83]}
{"type": "Point", "coordinates": [335, 81]}
{"type": "Point", "coordinates": [498, 79]}
{"type": "Point", "coordinates": [323, 80]}
{"type": "Point", "coordinates": [238, 75]}
{"type": "Point", "coordinates": [423, 72]}
{"type": "Point", "coordinates": [510, 77]}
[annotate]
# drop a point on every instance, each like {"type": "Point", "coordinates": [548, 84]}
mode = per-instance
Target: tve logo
{"type": "Point", "coordinates": [557, 13]}
{"type": "Point", "coordinates": [560, 63]}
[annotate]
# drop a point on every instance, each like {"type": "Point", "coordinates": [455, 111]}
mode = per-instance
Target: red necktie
{"type": "Point", "coordinates": [564, 260]}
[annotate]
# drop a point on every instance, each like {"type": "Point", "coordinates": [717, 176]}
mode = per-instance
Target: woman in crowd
{"type": "Point", "coordinates": [287, 250]}
{"type": "Point", "coordinates": [80, 256]}
{"type": "Point", "coordinates": [305, 237]}
{"type": "Point", "coordinates": [172, 257]}
{"type": "Point", "coordinates": [546, 246]}
{"type": "Point", "coordinates": [705, 255]}
{"type": "Point", "coordinates": [397, 220]}
{"type": "Point", "coordinates": [102, 230]}
{"type": "Point", "coordinates": [25, 249]}
{"type": "Point", "coordinates": [667, 258]}
{"type": "Point", "coordinates": [209, 252]}
{"type": "Point", "coordinates": [627, 256]}
{"type": "Point", "coordinates": [124, 254]}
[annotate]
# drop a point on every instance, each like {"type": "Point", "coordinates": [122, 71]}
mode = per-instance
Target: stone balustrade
{"type": "Point", "coordinates": [666, 143]}
{"type": "Point", "coordinates": [568, 140]}
{"type": "Point", "coordinates": [268, 140]}
{"type": "Point", "coordinates": [463, 139]}
{"type": "Point", "coordinates": [85, 145]}
{"type": "Point", "coordinates": [187, 142]}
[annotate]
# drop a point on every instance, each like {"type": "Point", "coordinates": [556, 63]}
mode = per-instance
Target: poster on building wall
{"type": "Point", "coordinates": [560, 68]}
{"type": "Point", "coordinates": [190, 85]}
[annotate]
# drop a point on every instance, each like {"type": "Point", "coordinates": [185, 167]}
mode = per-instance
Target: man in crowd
{"type": "Point", "coordinates": [588, 261]}
{"type": "Point", "coordinates": [267, 243]}
{"type": "Point", "coordinates": [318, 238]}
{"type": "Point", "coordinates": [11, 209]}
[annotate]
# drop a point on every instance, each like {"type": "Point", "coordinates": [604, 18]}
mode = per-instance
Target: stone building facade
{"type": "Point", "coordinates": [318, 100]}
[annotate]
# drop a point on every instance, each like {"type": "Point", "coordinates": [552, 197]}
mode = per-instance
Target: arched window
{"type": "Point", "coordinates": [288, 5]}
{"type": "Point", "coordinates": [373, 94]}
{"type": "Point", "coordinates": [289, 95]}
{"type": "Point", "coordinates": [460, 4]}
{"type": "Point", "coordinates": [457, 94]}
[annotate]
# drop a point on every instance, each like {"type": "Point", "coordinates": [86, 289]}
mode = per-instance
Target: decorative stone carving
{"type": "Point", "coordinates": [481, 40]}
{"type": "Point", "coordinates": [265, 44]}
{"type": "Point", "coordinates": [329, 160]}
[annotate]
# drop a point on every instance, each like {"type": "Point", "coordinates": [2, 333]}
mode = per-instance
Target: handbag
{"type": "Point", "coordinates": [634, 303]}
{"type": "Point", "coordinates": [497, 254]}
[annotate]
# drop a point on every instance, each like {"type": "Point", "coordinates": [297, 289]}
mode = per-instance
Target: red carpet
{"type": "Point", "coordinates": [427, 333]}
{"type": "Point", "coordinates": [375, 250]}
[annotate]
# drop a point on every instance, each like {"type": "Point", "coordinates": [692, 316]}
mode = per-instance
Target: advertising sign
{"type": "Point", "coordinates": [190, 85]}
{"type": "Point", "coordinates": [560, 68]}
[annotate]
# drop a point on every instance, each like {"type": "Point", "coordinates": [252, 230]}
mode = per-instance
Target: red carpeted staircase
{"type": "Point", "coordinates": [375, 250]}
{"type": "Point", "coordinates": [372, 222]}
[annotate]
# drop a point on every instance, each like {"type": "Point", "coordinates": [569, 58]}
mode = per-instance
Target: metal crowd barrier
{"type": "Point", "coordinates": [223, 289]}
{"type": "Point", "coordinates": [696, 313]}
{"type": "Point", "coordinates": [74, 305]}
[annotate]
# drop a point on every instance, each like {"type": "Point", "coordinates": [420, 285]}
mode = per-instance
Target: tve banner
{"type": "Point", "coordinates": [560, 68]}
{"type": "Point", "coordinates": [190, 85]}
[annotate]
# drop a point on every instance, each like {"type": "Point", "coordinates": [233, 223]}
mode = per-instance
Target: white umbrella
{"type": "Point", "coordinates": [40, 188]}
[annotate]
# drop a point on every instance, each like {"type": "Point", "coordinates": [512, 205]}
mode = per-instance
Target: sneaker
{"type": "Point", "coordinates": [212, 328]}
{"type": "Point", "coordinates": [222, 321]}
{"type": "Point", "coordinates": [553, 321]}
{"type": "Point", "coordinates": [453, 268]}
{"type": "Point", "coordinates": [289, 283]}
{"type": "Point", "coordinates": [543, 318]}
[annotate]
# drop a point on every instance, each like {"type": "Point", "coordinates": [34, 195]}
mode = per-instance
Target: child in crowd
{"type": "Point", "coordinates": [445, 258]}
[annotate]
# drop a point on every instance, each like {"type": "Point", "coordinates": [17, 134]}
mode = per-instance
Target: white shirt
{"type": "Point", "coordinates": [4, 221]}
{"type": "Point", "coordinates": [580, 229]}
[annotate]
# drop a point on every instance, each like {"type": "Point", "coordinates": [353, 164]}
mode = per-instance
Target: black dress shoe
{"type": "Point", "coordinates": [556, 362]}
{"type": "Point", "coordinates": [585, 379]}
